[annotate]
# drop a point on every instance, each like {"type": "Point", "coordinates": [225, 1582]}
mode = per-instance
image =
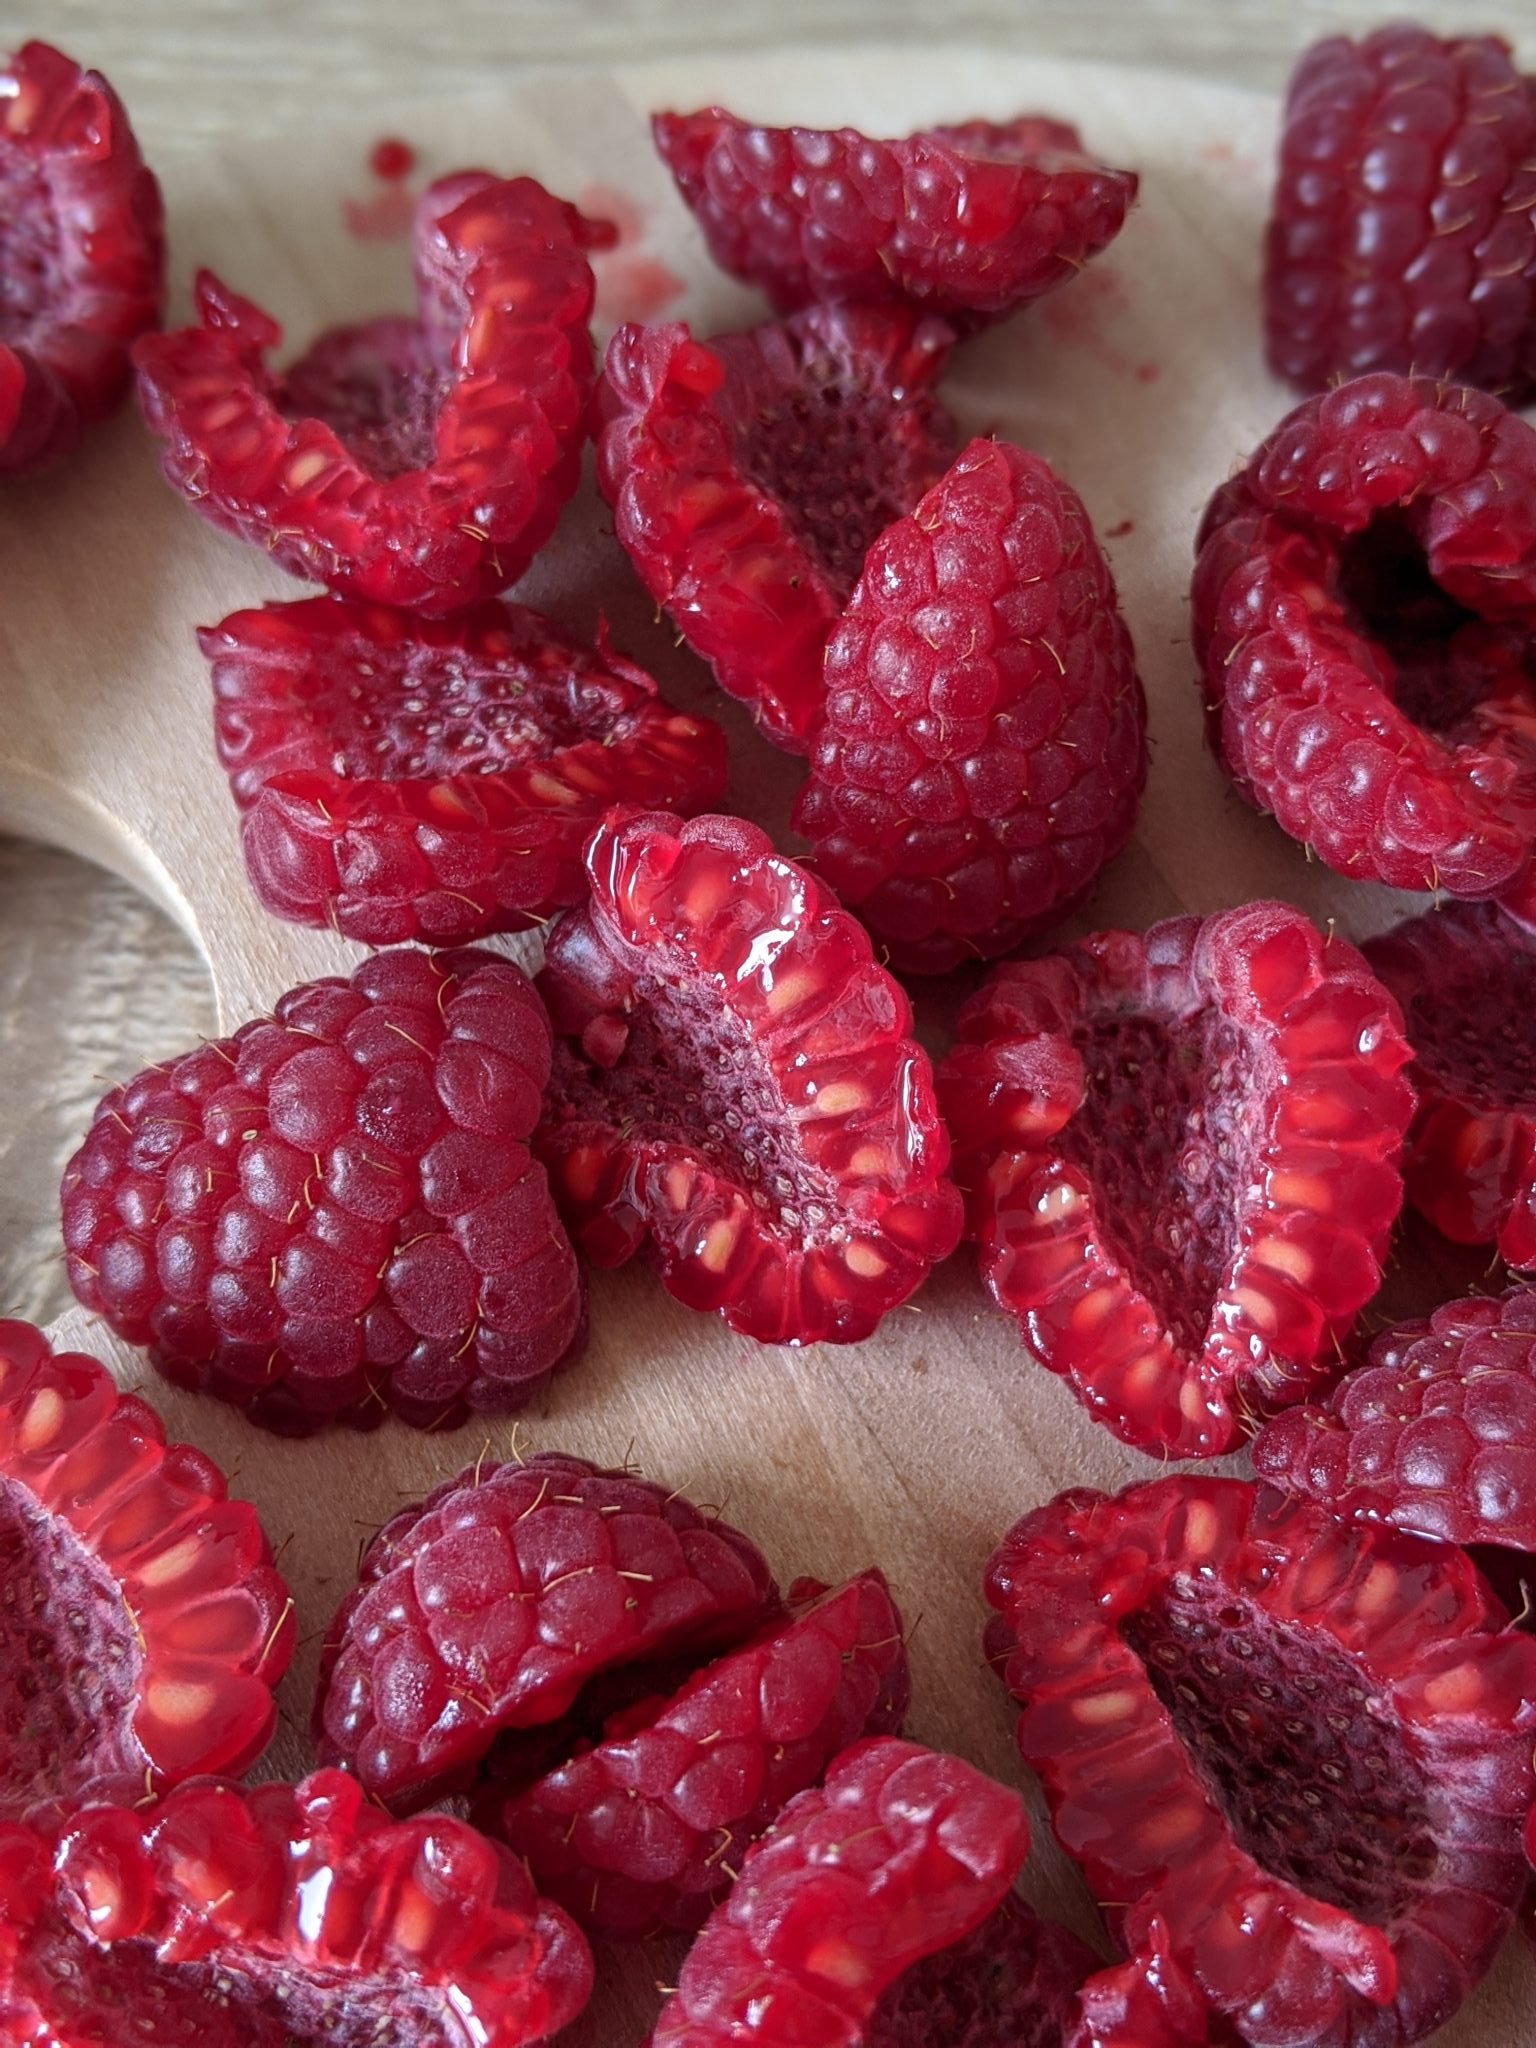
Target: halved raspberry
{"type": "Point", "coordinates": [409, 778]}
{"type": "Point", "coordinates": [419, 462]}
{"type": "Point", "coordinates": [286, 1917]}
{"type": "Point", "coordinates": [333, 1214]}
{"type": "Point", "coordinates": [734, 1085]}
{"type": "Point", "coordinates": [985, 742]}
{"type": "Point", "coordinates": [143, 1627]}
{"type": "Point", "coordinates": [1183, 1153]}
{"type": "Point", "coordinates": [1304, 1743]}
{"type": "Point", "coordinates": [82, 253]}
{"type": "Point", "coordinates": [1364, 612]}
{"type": "Point", "coordinates": [749, 474]}
{"type": "Point", "coordinates": [970, 221]}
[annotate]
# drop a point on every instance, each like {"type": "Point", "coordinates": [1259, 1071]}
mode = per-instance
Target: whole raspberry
{"type": "Point", "coordinates": [419, 462]}
{"type": "Point", "coordinates": [1304, 1743]}
{"type": "Point", "coordinates": [735, 1087]}
{"type": "Point", "coordinates": [971, 221]}
{"type": "Point", "coordinates": [408, 778]}
{"type": "Point", "coordinates": [749, 474]}
{"type": "Point", "coordinates": [333, 1214]}
{"type": "Point", "coordinates": [984, 745]}
{"type": "Point", "coordinates": [1401, 236]}
{"type": "Point", "coordinates": [82, 253]}
{"type": "Point", "coordinates": [1364, 606]}
{"type": "Point", "coordinates": [1182, 1153]}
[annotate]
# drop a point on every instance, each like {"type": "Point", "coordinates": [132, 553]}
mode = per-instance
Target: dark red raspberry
{"type": "Point", "coordinates": [409, 778]}
{"type": "Point", "coordinates": [287, 1917]}
{"type": "Point", "coordinates": [1402, 235]}
{"type": "Point", "coordinates": [1304, 1743]}
{"type": "Point", "coordinates": [735, 1087]}
{"type": "Point", "coordinates": [82, 253]}
{"type": "Point", "coordinates": [1364, 606]}
{"type": "Point", "coordinates": [749, 474]}
{"type": "Point", "coordinates": [985, 742]}
{"type": "Point", "coordinates": [333, 1214]}
{"type": "Point", "coordinates": [419, 462]}
{"type": "Point", "coordinates": [970, 221]}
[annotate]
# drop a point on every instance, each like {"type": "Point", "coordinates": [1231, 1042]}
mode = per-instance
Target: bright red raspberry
{"type": "Point", "coordinates": [735, 1087]}
{"type": "Point", "coordinates": [984, 745]}
{"type": "Point", "coordinates": [333, 1214]}
{"type": "Point", "coordinates": [407, 778]}
{"type": "Point", "coordinates": [748, 476]}
{"type": "Point", "coordinates": [1182, 1151]}
{"type": "Point", "coordinates": [419, 462]}
{"type": "Point", "coordinates": [1364, 603]}
{"type": "Point", "coordinates": [1402, 235]}
{"type": "Point", "coordinates": [971, 221]}
{"type": "Point", "coordinates": [1304, 1743]}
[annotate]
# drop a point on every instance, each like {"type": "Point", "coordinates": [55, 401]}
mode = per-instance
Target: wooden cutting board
{"type": "Point", "coordinates": [1141, 382]}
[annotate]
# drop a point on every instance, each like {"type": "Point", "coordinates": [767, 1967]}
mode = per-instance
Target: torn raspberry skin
{"type": "Point", "coordinates": [984, 746]}
{"type": "Point", "coordinates": [1182, 1151]}
{"type": "Point", "coordinates": [404, 778]}
{"type": "Point", "coordinates": [749, 474]}
{"type": "Point", "coordinates": [1364, 604]}
{"type": "Point", "coordinates": [418, 462]}
{"type": "Point", "coordinates": [1304, 1743]}
{"type": "Point", "coordinates": [734, 1087]}
{"type": "Point", "coordinates": [333, 1215]}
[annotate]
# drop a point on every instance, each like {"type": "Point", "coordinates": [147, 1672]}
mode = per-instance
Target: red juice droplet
{"type": "Point", "coordinates": [391, 159]}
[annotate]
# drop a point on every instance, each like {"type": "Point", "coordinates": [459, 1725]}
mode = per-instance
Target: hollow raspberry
{"type": "Point", "coordinates": [419, 462]}
{"type": "Point", "coordinates": [749, 474]}
{"type": "Point", "coordinates": [734, 1085]}
{"type": "Point", "coordinates": [984, 745]}
{"type": "Point", "coordinates": [408, 778]}
{"type": "Point", "coordinates": [1304, 1743]}
{"type": "Point", "coordinates": [1364, 606]}
{"type": "Point", "coordinates": [1183, 1153]}
{"type": "Point", "coordinates": [333, 1214]}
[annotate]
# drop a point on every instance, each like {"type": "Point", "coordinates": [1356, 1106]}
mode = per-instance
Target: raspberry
{"type": "Point", "coordinates": [1183, 1157]}
{"type": "Point", "coordinates": [734, 1084]}
{"type": "Point", "coordinates": [970, 221]}
{"type": "Point", "coordinates": [1401, 236]}
{"type": "Point", "coordinates": [82, 253]}
{"type": "Point", "coordinates": [334, 1213]}
{"type": "Point", "coordinates": [419, 462]}
{"type": "Point", "coordinates": [286, 1917]}
{"type": "Point", "coordinates": [142, 1625]}
{"type": "Point", "coordinates": [1304, 1743]}
{"type": "Point", "coordinates": [407, 778]}
{"type": "Point", "coordinates": [749, 474]}
{"type": "Point", "coordinates": [1363, 610]}
{"type": "Point", "coordinates": [984, 745]}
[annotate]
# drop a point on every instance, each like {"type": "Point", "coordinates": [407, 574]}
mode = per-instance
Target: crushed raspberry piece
{"type": "Point", "coordinates": [749, 474]}
{"type": "Point", "coordinates": [407, 778]}
{"type": "Point", "coordinates": [333, 1214]}
{"type": "Point", "coordinates": [735, 1087]}
{"type": "Point", "coordinates": [984, 745]}
{"type": "Point", "coordinates": [1304, 1743]}
{"type": "Point", "coordinates": [1182, 1151]}
{"type": "Point", "coordinates": [419, 462]}
{"type": "Point", "coordinates": [1364, 604]}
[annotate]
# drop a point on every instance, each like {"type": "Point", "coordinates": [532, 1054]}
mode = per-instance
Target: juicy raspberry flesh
{"type": "Point", "coordinates": [1013, 1984]}
{"type": "Point", "coordinates": [377, 387]}
{"type": "Point", "coordinates": [31, 249]}
{"type": "Point", "coordinates": [1474, 1038]}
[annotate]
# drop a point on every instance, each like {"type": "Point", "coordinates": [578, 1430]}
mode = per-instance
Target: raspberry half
{"type": "Point", "coordinates": [82, 253]}
{"type": "Point", "coordinates": [407, 778]}
{"type": "Point", "coordinates": [1364, 605]}
{"type": "Point", "coordinates": [419, 462]}
{"type": "Point", "coordinates": [984, 745]}
{"type": "Point", "coordinates": [1183, 1152]}
{"type": "Point", "coordinates": [734, 1085]}
{"type": "Point", "coordinates": [748, 475]}
{"type": "Point", "coordinates": [333, 1214]}
{"type": "Point", "coordinates": [1304, 1743]}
